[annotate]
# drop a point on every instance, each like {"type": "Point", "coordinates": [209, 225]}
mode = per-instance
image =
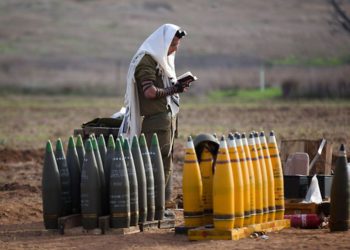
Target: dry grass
{"type": "Point", "coordinates": [27, 121]}
{"type": "Point", "coordinates": [45, 45]}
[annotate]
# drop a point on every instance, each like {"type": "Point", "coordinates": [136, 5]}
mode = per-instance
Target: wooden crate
{"type": "Point", "coordinates": [324, 163]}
{"type": "Point", "coordinates": [300, 208]}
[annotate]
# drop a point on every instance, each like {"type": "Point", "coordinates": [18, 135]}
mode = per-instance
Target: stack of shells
{"type": "Point", "coordinates": [233, 183]}
{"type": "Point", "coordinates": [121, 180]}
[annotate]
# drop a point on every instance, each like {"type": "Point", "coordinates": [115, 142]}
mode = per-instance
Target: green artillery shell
{"type": "Point", "coordinates": [149, 178]}
{"type": "Point", "coordinates": [90, 190]}
{"type": "Point", "coordinates": [158, 175]}
{"type": "Point", "coordinates": [80, 150]}
{"type": "Point", "coordinates": [340, 194]}
{"type": "Point", "coordinates": [104, 198]}
{"type": "Point", "coordinates": [102, 148]}
{"type": "Point", "coordinates": [51, 189]}
{"type": "Point", "coordinates": [108, 162]}
{"type": "Point", "coordinates": [141, 179]}
{"type": "Point", "coordinates": [65, 179]}
{"type": "Point", "coordinates": [74, 171]}
{"type": "Point", "coordinates": [121, 138]}
{"type": "Point", "coordinates": [119, 194]}
{"type": "Point", "coordinates": [134, 200]}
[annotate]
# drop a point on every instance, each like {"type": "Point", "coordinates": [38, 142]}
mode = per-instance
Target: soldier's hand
{"type": "Point", "coordinates": [182, 87]}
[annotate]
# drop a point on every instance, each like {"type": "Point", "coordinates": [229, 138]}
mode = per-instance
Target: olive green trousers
{"type": "Point", "coordinates": [164, 124]}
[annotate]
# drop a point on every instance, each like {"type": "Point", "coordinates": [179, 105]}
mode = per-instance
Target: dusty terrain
{"type": "Point", "coordinates": [85, 46]}
{"type": "Point", "coordinates": [21, 162]}
{"type": "Point", "coordinates": [21, 224]}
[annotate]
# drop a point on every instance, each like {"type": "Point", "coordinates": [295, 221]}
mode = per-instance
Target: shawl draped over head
{"type": "Point", "coordinates": [156, 45]}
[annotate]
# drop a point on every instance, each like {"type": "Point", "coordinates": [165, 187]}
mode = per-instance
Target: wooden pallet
{"type": "Point", "coordinates": [182, 229]}
{"type": "Point", "coordinates": [74, 221]}
{"type": "Point", "coordinates": [161, 224]}
{"type": "Point", "coordinates": [69, 221]}
{"type": "Point", "coordinates": [166, 223]}
{"type": "Point", "coordinates": [202, 233]}
{"type": "Point", "coordinates": [148, 225]}
{"type": "Point", "coordinates": [104, 226]}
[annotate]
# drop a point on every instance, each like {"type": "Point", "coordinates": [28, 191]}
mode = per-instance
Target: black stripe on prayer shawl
{"type": "Point", "coordinates": [175, 101]}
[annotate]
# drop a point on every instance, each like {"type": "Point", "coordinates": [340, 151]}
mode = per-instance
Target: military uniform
{"type": "Point", "coordinates": [157, 117]}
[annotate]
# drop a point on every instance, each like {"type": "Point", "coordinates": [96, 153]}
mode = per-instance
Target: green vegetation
{"type": "Point", "coordinates": [245, 94]}
{"type": "Point", "coordinates": [315, 61]}
{"type": "Point", "coordinates": [7, 48]}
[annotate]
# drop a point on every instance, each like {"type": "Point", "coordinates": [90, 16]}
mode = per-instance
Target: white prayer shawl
{"type": "Point", "coordinates": [156, 45]}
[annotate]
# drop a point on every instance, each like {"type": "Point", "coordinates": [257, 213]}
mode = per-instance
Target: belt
{"type": "Point", "coordinates": [168, 112]}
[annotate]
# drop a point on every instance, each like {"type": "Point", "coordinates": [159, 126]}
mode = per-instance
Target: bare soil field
{"type": "Point", "coordinates": [21, 159]}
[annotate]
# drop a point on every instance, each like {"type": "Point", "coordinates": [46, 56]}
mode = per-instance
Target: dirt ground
{"type": "Point", "coordinates": [21, 224]}
{"type": "Point", "coordinates": [46, 45]}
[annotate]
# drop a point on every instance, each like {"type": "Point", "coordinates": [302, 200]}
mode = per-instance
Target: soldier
{"type": "Point", "coordinates": [152, 95]}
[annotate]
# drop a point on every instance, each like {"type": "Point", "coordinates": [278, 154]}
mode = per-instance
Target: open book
{"type": "Point", "coordinates": [186, 77]}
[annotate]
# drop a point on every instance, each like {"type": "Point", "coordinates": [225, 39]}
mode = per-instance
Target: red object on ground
{"type": "Point", "coordinates": [310, 221]}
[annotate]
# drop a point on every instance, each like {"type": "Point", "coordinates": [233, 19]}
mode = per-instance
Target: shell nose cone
{"type": "Point", "coordinates": [230, 136]}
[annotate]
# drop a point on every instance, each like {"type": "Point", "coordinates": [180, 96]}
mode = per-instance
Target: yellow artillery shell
{"type": "Point", "coordinates": [263, 177]}
{"type": "Point", "coordinates": [192, 188]}
{"type": "Point", "coordinates": [238, 182]}
{"type": "Point", "coordinates": [206, 169]}
{"type": "Point", "coordinates": [258, 180]}
{"type": "Point", "coordinates": [270, 178]}
{"type": "Point", "coordinates": [223, 190]}
{"type": "Point", "coordinates": [251, 179]}
{"type": "Point", "coordinates": [278, 176]}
